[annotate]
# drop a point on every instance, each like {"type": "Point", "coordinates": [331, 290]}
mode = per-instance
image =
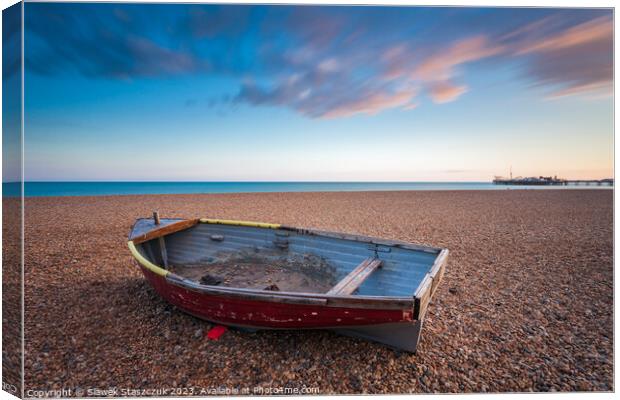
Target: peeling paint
{"type": "Point", "coordinates": [264, 314]}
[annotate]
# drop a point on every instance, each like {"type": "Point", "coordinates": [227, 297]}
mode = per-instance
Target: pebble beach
{"type": "Point", "coordinates": [526, 302]}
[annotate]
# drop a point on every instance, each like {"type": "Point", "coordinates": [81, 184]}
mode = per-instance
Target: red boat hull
{"type": "Point", "coordinates": [236, 311]}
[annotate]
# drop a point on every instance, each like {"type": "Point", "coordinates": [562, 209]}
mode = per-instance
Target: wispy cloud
{"type": "Point", "coordinates": [106, 45]}
{"type": "Point", "coordinates": [574, 61]}
{"type": "Point", "coordinates": [438, 70]}
{"type": "Point", "coordinates": [11, 41]}
{"type": "Point", "coordinates": [445, 92]}
{"type": "Point", "coordinates": [372, 103]}
{"type": "Point", "coordinates": [316, 97]}
{"type": "Point", "coordinates": [598, 29]}
{"type": "Point", "coordinates": [323, 62]}
{"type": "Point", "coordinates": [442, 64]}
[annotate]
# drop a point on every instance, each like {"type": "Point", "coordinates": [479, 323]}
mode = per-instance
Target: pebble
{"type": "Point", "coordinates": [526, 303]}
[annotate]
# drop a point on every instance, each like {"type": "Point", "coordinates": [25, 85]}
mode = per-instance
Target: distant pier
{"type": "Point", "coordinates": [551, 181]}
{"type": "Point", "coordinates": [598, 182]}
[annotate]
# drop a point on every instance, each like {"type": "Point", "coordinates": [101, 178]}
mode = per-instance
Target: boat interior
{"type": "Point", "coordinates": [285, 259]}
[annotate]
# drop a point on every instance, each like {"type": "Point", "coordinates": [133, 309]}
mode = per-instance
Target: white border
{"type": "Point", "coordinates": [476, 3]}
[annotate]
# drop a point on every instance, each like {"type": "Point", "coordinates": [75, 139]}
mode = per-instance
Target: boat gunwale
{"type": "Point", "coordinates": [427, 287]}
{"type": "Point", "coordinates": [418, 302]}
{"type": "Point", "coordinates": [382, 302]}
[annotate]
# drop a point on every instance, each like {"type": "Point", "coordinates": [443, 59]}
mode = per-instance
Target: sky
{"type": "Point", "coordinates": [315, 93]}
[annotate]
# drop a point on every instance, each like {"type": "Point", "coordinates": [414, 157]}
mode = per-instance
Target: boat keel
{"type": "Point", "coordinates": [399, 336]}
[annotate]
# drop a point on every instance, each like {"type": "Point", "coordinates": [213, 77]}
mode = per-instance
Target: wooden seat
{"type": "Point", "coordinates": [355, 278]}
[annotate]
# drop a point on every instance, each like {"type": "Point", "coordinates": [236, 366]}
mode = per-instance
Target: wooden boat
{"type": "Point", "coordinates": [268, 276]}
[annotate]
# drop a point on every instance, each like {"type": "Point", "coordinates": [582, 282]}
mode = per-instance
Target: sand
{"type": "Point", "coordinates": [294, 273]}
{"type": "Point", "coordinates": [526, 303]}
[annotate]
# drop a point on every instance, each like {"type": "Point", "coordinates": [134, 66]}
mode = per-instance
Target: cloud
{"type": "Point", "coordinates": [372, 104]}
{"type": "Point", "coordinates": [108, 44]}
{"type": "Point", "coordinates": [324, 62]}
{"type": "Point", "coordinates": [329, 65]}
{"type": "Point", "coordinates": [11, 41]}
{"type": "Point", "coordinates": [217, 20]}
{"type": "Point", "coordinates": [328, 98]}
{"type": "Point", "coordinates": [396, 61]}
{"type": "Point", "coordinates": [574, 61]}
{"type": "Point", "coordinates": [325, 85]}
{"type": "Point", "coordinates": [437, 70]}
{"type": "Point", "coordinates": [445, 92]}
{"type": "Point", "coordinates": [441, 66]}
{"type": "Point", "coordinates": [314, 27]}
{"type": "Point", "coordinates": [153, 59]}
{"type": "Point", "coordinates": [598, 29]}
{"type": "Point", "coordinates": [596, 90]}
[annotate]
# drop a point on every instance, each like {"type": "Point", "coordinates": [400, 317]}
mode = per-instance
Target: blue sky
{"type": "Point", "coordinates": [205, 92]}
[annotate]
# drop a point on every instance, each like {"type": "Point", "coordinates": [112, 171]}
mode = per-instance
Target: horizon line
{"type": "Point", "coordinates": [235, 181]}
{"type": "Point", "coordinates": [263, 181]}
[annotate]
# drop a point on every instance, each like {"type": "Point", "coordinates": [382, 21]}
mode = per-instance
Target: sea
{"type": "Point", "coordinates": [47, 189]}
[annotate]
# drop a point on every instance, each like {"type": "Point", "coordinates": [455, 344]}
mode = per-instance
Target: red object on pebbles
{"type": "Point", "coordinates": [215, 332]}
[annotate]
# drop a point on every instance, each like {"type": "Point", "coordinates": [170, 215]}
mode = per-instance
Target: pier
{"type": "Point", "coordinates": [598, 182]}
{"type": "Point", "coordinates": [550, 181]}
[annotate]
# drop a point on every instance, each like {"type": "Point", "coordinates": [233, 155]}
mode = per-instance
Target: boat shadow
{"type": "Point", "coordinates": [105, 330]}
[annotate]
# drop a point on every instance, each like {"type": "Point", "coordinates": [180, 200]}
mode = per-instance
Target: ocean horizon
{"type": "Point", "coordinates": [108, 188]}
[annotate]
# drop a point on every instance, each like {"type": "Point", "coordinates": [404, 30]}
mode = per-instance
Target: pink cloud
{"type": "Point", "coordinates": [316, 29]}
{"type": "Point", "coordinates": [596, 90]}
{"type": "Point", "coordinates": [372, 104]}
{"type": "Point", "coordinates": [394, 53]}
{"type": "Point", "coordinates": [445, 92]}
{"type": "Point", "coordinates": [332, 98]}
{"type": "Point", "coordinates": [577, 61]}
{"type": "Point", "coordinates": [334, 81]}
{"type": "Point", "coordinates": [436, 70]}
{"type": "Point", "coordinates": [598, 29]}
{"type": "Point", "coordinates": [441, 66]}
{"type": "Point", "coordinates": [395, 58]}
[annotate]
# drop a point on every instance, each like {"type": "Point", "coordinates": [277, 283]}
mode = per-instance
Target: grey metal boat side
{"type": "Point", "coordinates": [398, 336]}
